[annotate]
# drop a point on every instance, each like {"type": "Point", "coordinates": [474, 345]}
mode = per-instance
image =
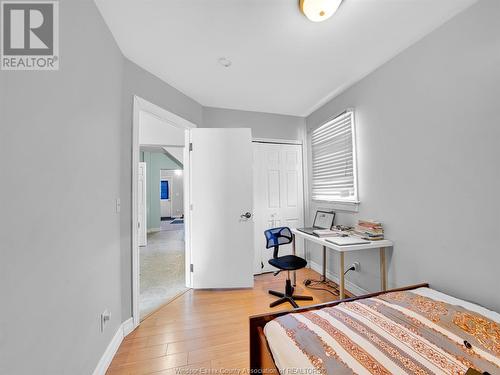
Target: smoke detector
{"type": "Point", "coordinates": [225, 62]}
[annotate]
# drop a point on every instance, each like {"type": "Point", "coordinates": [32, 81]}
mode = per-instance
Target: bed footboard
{"type": "Point", "coordinates": [261, 358]}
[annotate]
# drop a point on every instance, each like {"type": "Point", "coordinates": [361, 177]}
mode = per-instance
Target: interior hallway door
{"type": "Point", "coordinates": [278, 196]}
{"type": "Point", "coordinates": [221, 208]}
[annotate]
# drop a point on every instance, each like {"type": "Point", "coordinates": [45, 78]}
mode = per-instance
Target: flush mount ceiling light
{"type": "Point", "coordinates": [319, 10]}
{"type": "Point", "coordinates": [225, 62]}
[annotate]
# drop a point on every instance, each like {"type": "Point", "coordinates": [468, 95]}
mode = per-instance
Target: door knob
{"type": "Point", "coordinates": [246, 215]}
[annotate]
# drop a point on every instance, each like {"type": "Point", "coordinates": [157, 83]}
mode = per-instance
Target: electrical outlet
{"type": "Point", "coordinates": [354, 267]}
{"type": "Point", "coordinates": [105, 317]}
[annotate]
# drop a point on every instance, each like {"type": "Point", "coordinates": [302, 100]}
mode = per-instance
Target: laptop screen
{"type": "Point", "coordinates": [323, 219]}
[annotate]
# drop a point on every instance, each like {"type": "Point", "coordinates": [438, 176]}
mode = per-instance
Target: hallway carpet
{"type": "Point", "coordinates": [162, 270]}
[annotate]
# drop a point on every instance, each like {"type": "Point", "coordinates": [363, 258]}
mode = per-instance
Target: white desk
{"type": "Point", "coordinates": [381, 245]}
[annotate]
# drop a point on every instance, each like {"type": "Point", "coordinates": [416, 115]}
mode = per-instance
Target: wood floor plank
{"type": "Point", "coordinates": [204, 329]}
{"type": "Point", "coordinates": [152, 365]}
{"type": "Point", "coordinates": [199, 343]}
{"type": "Point", "coordinates": [217, 351]}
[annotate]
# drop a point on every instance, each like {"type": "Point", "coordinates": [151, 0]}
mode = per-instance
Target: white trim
{"type": "Point", "coordinates": [354, 155]}
{"type": "Point", "coordinates": [163, 114]}
{"type": "Point", "coordinates": [128, 326]}
{"type": "Point", "coordinates": [279, 141]}
{"type": "Point", "coordinates": [351, 203]}
{"type": "Point", "coordinates": [154, 230]}
{"type": "Point", "coordinates": [187, 208]}
{"type": "Point", "coordinates": [123, 330]}
{"type": "Point", "coordinates": [339, 205]}
{"type": "Point", "coordinates": [173, 120]}
{"type": "Point", "coordinates": [351, 287]}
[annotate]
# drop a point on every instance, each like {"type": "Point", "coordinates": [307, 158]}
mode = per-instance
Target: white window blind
{"type": "Point", "coordinates": [334, 175]}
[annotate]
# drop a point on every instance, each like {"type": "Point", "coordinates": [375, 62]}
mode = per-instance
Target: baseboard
{"type": "Point", "coordinates": [125, 328]}
{"type": "Point", "coordinates": [154, 230]}
{"type": "Point", "coordinates": [128, 326]}
{"type": "Point", "coordinates": [351, 287]}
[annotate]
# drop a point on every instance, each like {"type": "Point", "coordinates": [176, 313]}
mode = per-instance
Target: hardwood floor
{"type": "Point", "coordinates": [204, 329]}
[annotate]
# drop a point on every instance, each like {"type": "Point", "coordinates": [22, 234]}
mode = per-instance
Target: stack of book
{"type": "Point", "coordinates": [369, 230]}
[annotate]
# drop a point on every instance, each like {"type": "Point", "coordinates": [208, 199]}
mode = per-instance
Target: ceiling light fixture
{"type": "Point", "coordinates": [225, 62]}
{"type": "Point", "coordinates": [319, 10]}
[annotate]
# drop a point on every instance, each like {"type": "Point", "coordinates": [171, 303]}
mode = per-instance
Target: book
{"type": "Point", "coordinates": [324, 232]}
{"type": "Point", "coordinates": [369, 224]}
{"type": "Point", "coordinates": [346, 241]}
{"type": "Point", "coordinates": [369, 229]}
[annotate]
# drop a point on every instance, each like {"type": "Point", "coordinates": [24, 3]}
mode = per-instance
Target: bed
{"type": "Point", "coordinates": [411, 330]}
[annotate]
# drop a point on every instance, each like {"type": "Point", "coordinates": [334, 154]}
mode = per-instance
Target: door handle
{"type": "Point", "coordinates": [246, 215]}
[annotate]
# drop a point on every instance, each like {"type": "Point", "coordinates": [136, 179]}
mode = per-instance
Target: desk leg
{"type": "Point", "coordinates": [341, 275]}
{"type": "Point", "coordinates": [294, 274]}
{"type": "Point", "coordinates": [323, 276]}
{"type": "Point", "coordinates": [383, 271]}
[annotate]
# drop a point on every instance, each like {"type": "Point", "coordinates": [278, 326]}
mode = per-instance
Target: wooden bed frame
{"type": "Point", "coordinates": [261, 359]}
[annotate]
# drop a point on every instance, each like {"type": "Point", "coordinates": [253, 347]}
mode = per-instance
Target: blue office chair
{"type": "Point", "coordinates": [274, 238]}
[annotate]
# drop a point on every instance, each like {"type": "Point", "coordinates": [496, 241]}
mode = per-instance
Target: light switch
{"type": "Point", "coordinates": [118, 205]}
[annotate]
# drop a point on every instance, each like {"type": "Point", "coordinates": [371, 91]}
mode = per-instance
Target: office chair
{"type": "Point", "coordinates": [274, 238]}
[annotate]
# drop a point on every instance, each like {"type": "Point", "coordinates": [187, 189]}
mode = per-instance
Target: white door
{"type": "Point", "coordinates": [142, 201]}
{"type": "Point", "coordinates": [221, 196]}
{"type": "Point", "coordinates": [278, 196]}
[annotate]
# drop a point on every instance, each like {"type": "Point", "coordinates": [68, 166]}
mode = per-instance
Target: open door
{"type": "Point", "coordinates": [221, 180]}
{"type": "Point", "coordinates": [141, 206]}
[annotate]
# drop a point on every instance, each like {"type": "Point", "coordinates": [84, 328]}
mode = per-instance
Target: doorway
{"type": "Point", "coordinates": [162, 258]}
{"type": "Point", "coordinates": [159, 255]}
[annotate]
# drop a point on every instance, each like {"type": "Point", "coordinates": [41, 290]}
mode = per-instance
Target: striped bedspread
{"type": "Point", "coordinates": [395, 333]}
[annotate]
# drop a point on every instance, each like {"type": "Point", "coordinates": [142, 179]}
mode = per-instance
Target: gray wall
{"type": "Point", "coordinates": [137, 81]}
{"type": "Point", "coordinates": [428, 126]}
{"type": "Point", "coordinates": [59, 232]}
{"type": "Point", "coordinates": [263, 125]}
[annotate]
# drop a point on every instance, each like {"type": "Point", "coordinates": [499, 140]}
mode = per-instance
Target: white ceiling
{"type": "Point", "coordinates": [281, 62]}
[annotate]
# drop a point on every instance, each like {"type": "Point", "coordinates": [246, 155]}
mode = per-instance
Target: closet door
{"type": "Point", "coordinates": [278, 196]}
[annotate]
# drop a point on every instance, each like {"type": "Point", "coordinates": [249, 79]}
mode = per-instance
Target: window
{"type": "Point", "coordinates": [164, 190]}
{"type": "Point", "coordinates": [334, 172]}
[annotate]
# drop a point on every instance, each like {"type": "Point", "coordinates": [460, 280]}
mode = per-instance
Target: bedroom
{"type": "Point", "coordinates": [422, 79]}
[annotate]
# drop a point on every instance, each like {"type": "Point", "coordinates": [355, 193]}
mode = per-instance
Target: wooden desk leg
{"type": "Point", "coordinates": [323, 276]}
{"type": "Point", "coordinates": [341, 275]}
{"type": "Point", "coordinates": [383, 271]}
{"type": "Point", "coordinates": [294, 274]}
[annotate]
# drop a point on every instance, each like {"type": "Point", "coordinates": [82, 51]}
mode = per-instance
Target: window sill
{"type": "Point", "coordinates": [349, 206]}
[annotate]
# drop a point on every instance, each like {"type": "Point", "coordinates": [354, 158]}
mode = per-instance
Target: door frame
{"type": "Point", "coordinates": [144, 193]}
{"type": "Point", "coordinates": [301, 141]}
{"type": "Point", "coordinates": [139, 105]}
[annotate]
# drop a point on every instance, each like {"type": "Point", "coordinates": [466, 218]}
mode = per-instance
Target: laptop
{"type": "Point", "coordinates": [322, 220]}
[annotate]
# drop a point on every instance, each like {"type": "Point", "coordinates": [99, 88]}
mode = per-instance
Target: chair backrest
{"type": "Point", "coordinates": [276, 237]}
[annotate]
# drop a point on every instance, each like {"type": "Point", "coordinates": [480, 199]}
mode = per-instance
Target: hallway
{"type": "Point", "coordinates": [162, 276]}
